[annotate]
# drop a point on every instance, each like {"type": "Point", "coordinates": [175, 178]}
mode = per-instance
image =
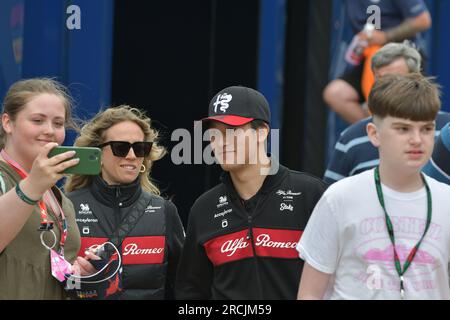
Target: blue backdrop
{"type": "Point", "coordinates": [437, 45]}
{"type": "Point", "coordinates": [35, 42]}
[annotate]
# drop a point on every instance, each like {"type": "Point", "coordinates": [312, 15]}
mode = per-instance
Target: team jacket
{"type": "Point", "coordinates": [151, 250]}
{"type": "Point", "coordinates": [237, 249]}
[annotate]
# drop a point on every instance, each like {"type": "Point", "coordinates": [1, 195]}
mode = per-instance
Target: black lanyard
{"type": "Point", "coordinates": [390, 229]}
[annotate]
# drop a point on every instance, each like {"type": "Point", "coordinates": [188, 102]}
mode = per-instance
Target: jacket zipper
{"type": "Point", "coordinates": [117, 207]}
{"type": "Point", "coordinates": [250, 230]}
{"type": "Point", "coordinates": [117, 219]}
{"type": "Point", "coordinates": [250, 237]}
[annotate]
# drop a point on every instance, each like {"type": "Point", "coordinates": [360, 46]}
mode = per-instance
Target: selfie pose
{"type": "Point", "coordinates": [124, 207]}
{"type": "Point", "coordinates": [38, 233]}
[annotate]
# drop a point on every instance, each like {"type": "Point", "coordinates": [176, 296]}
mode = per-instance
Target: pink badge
{"type": "Point", "coordinates": [60, 267]}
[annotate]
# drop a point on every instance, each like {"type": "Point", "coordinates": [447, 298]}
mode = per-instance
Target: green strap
{"type": "Point", "coordinates": [390, 228]}
{"type": "Point", "coordinates": [2, 183]}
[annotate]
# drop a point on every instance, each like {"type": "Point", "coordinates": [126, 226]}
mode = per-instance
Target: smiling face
{"type": "Point", "coordinates": [42, 120]}
{"type": "Point", "coordinates": [403, 144]}
{"type": "Point", "coordinates": [237, 146]}
{"type": "Point", "coordinates": [121, 170]}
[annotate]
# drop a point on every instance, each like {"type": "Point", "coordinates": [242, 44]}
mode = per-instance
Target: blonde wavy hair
{"type": "Point", "coordinates": [92, 134]}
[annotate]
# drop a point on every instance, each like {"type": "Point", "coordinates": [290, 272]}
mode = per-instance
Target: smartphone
{"type": "Point", "coordinates": [90, 159]}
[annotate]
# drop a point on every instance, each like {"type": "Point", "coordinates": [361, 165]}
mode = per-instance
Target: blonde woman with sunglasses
{"type": "Point", "coordinates": [123, 206]}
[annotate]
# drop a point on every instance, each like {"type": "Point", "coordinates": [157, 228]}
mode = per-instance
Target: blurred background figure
{"type": "Point", "coordinates": [399, 20]}
{"type": "Point", "coordinates": [353, 152]}
{"type": "Point", "coordinates": [439, 165]}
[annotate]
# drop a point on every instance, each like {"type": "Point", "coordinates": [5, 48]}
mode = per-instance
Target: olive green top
{"type": "Point", "coordinates": [25, 271]}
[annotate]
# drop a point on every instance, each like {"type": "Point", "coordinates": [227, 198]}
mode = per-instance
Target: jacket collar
{"type": "Point", "coordinates": [126, 194]}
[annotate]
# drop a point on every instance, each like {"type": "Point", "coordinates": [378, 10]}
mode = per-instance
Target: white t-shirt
{"type": "Point", "coordinates": [347, 237]}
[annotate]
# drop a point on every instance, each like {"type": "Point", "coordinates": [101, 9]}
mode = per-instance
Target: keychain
{"type": "Point", "coordinates": [60, 266]}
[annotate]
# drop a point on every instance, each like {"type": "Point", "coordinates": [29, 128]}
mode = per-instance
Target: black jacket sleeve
{"type": "Point", "coordinates": [316, 187]}
{"type": "Point", "coordinates": [175, 236]}
{"type": "Point", "coordinates": [195, 271]}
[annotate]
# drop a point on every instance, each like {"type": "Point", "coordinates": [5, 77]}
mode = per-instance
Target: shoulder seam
{"type": "Point", "coordinates": [308, 175]}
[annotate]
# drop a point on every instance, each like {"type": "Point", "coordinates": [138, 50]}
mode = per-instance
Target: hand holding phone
{"type": "Point", "coordinates": [90, 159]}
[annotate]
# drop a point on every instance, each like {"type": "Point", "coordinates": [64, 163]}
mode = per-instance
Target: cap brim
{"type": "Point", "coordinates": [230, 120]}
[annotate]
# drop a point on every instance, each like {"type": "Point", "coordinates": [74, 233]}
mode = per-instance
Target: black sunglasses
{"type": "Point", "coordinates": [121, 148]}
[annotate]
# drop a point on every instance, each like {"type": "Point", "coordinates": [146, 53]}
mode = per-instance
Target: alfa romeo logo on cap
{"type": "Point", "coordinates": [223, 100]}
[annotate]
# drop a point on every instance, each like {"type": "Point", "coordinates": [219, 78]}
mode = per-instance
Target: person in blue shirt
{"type": "Point", "coordinates": [439, 165]}
{"type": "Point", "coordinates": [353, 153]}
{"type": "Point", "coordinates": [400, 20]}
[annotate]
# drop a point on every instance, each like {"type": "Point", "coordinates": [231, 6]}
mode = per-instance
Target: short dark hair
{"type": "Point", "coordinates": [411, 96]}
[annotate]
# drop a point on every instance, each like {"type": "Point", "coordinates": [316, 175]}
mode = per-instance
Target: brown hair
{"type": "Point", "coordinates": [411, 96]}
{"type": "Point", "coordinates": [23, 91]}
{"type": "Point", "coordinates": [93, 134]}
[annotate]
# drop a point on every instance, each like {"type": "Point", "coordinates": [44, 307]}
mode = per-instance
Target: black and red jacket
{"type": "Point", "coordinates": [237, 249]}
{"type": "Point", "coordinates": [150, 251]}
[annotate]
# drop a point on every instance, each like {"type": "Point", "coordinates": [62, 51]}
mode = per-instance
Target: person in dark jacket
{"type": "Point", "coordinates": [242, 234]}
{"type": "Point", "coordinates": [124, 207]}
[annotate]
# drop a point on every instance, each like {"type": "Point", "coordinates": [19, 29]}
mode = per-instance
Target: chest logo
{"type": "Point", "coordinates": [285, 206]}
{"type": "Point", "coordinates": [84, 209]}
{"type": "Point", "coordinates": [224, 223]}
{"type": "Point", "coordinates": [288, 195]}
{"type": "Point", "coordinates": [223, 201]}
{"type": "Point", "coordinates": [85, 230]}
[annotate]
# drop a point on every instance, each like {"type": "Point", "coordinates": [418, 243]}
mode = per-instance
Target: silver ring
{"type": "Point", "coordinates": [43, 243]}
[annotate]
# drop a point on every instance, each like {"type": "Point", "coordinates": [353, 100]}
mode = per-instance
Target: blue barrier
{"type": "Point", "coordinates": [79, 58]}
{"type": "Point", "coordinates": [437, 47]}
{"type": "Point", "coordinates": [271, 56]}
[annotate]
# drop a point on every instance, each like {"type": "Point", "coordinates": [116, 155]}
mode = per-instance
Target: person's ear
{"type": "Point", "coordinates": [6, 123]}
{"type": "Point", "coordinates": [373, 134]}
{"type": "Point", "coordinates": [263, 133]}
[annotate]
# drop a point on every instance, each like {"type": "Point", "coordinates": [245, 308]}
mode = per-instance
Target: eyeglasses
{"type": "Point", "coordinates": [121, 148]}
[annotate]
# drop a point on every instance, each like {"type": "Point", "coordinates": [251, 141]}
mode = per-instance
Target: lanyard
{"type": "Point", "coordinates": [49, 198]}
{"type": "Point", "coordinates": [390, 230]}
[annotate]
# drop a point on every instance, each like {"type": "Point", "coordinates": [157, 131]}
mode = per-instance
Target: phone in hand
{"type": "Point", "coordinates": [90, 159]}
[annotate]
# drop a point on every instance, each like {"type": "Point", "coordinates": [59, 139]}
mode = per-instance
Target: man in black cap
{"type": "Point", "coordinates": [242, 234]}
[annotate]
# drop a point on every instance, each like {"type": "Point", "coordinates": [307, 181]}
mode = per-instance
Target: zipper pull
{"type": "Point", "coordinates": [250, 231]}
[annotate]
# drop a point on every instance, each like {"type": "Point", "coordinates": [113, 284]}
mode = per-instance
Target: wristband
{"type": "Point", "coordinates": [24, 197]}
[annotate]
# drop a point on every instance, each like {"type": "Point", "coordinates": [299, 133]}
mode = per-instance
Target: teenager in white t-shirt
{"type": "Point", "coordinates": [348, 249]}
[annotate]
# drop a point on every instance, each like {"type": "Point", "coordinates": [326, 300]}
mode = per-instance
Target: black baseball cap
{"type": "Point", "coordinates": [237, 106]}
